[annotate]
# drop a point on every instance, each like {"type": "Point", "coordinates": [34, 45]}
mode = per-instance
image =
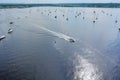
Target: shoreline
{"type": "Point", "coordinates": [90, 5]}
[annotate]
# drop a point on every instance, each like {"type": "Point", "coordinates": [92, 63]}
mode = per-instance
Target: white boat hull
{"type": "Point", "coordinates": [2, 37]}
{"type": "Point", "coordinates": [10, 30]}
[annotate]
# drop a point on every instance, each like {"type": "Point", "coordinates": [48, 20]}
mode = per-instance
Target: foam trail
{"type": "Point", "coordinates": [60, 35]}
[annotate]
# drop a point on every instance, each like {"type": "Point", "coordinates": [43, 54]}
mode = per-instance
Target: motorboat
{"type": "Point", "coordinates": [2, 37]}
{"type": "Point", "coordinates": [11, 23]}
{"type": "Point", "coordinates": [10, 30]}
{"type": "Point", "coordinates": [71, 40]}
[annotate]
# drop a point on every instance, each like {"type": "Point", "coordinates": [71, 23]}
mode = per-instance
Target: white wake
{"type": "Point", "coordinates": [59, 35]}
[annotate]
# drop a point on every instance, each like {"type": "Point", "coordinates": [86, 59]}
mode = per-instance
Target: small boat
{"type": "Point", "coordinates": [55, 16]}
{"type": "Point", "coordinates": [94, 21]}
{"type": "Point", "coordinates": [67, 19]}
{"type": "Point", "coordinates": [11, 23]}
{"type": "Point", "coordinates": [96, 18]}
{"type": "Point", "coordinates": [116, 21]}
{"type": "Point", "coordinates": [83, 17]}
{"type": "Point", "coordinates": [2, 37]}
{"type": "Point", "coordinates": [119, 29]}
{"type": "Point", "coordinates": [72, 40]}
{"type": "Point", "coordinates": [10, 30]}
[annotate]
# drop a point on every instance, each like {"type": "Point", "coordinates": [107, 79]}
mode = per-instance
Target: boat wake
{"type": "Point", "coordinates": [59, 35]}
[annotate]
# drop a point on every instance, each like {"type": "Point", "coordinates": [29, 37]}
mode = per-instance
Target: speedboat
{"type": "Point", "coordinates": [10, 30]}
{"type": "Point", "coordinates": [11, 23]}
{"type": "Point", "coordinates": [2, 37]}
{"type": "Point", "coordinates": [71, 40]}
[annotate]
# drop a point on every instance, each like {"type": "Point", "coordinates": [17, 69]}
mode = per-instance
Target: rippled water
{"type": "Point", "coordinates": [40, 48]}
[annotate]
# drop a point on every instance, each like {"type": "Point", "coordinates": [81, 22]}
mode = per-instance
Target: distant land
{"type": "Point", "coordinates": [92, 5]}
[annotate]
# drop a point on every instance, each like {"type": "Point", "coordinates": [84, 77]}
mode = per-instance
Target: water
{"type": "Point", "coordinates": [39, 47]}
